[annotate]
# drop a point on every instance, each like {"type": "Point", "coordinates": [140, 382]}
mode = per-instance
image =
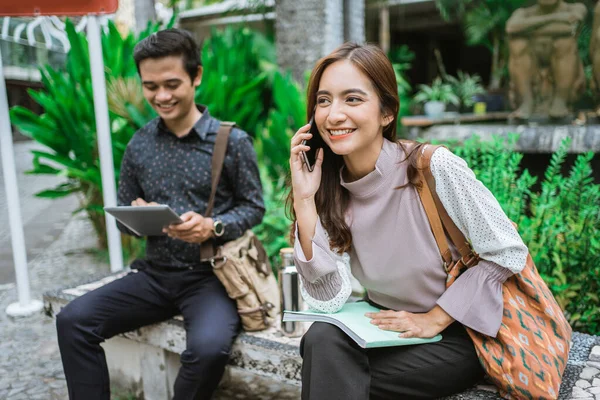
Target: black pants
{"type": "Point", "coordinates": [149, 296]}
{"type": "Point", "coordinates": [335, 367]}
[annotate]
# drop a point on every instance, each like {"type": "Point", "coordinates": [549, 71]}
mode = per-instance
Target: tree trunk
{"type": "Point", "coordinates": [144, 12]}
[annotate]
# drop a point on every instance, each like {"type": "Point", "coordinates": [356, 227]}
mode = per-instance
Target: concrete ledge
{"type": "Point", "coordinates": [263, 365]}
{"type": "Point", "coordinates": [146, 360]}
{"type": "Point", "coordinates": [532, 138]}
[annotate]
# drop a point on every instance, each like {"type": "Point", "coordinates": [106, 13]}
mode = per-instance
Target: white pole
{"type": "Point", "coordinates": [25, 306]}
{"type": "Point", "coordinates": [104, 142]}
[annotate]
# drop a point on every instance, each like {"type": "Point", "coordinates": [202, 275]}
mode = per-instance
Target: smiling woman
{"type": "Point", "coordinates": [360, 208]}
{"type": "Point", "coordinates": [345, 117]}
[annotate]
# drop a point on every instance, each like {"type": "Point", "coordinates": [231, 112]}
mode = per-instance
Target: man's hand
{"type": "Point", "coordinates": [141, 203]}
{"type": "Point", "coordinates": [194, 229]}
{"type": "Point", "coordinates": [412, 325]}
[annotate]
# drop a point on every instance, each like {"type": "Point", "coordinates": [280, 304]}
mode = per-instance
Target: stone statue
{"type": "Point", "coordinates": [595, 51]}
{"type": "Point", "coordinates": [545, 68]}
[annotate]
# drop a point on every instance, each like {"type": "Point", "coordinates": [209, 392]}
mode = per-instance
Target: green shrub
{"type": "Point", "coordinates": [268, 105]}
{"type": "Point", "coordinates": [466, 87]}
{"type": "Point", "coordinates": [438, 91]}
{"type": "Point", "coordinates": [402, 58]}
{"type": "Point", "coordinates": [239, 67]}
{"type": "Point", "coordinates": [560, 222]}
{"type": "Point", "coordinates": [273, 152]}
{"type": "Point", "coordinates": [242, 83]}
{"type": "Point", "coordinates": [275, 226]}
{"type": "Point", "coordinates": [68, 126]}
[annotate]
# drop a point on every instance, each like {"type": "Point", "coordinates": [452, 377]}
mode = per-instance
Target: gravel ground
{"type": "Point", "coordinates": [30, 366]}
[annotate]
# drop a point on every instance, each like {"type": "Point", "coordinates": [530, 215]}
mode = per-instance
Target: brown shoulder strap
{"type": "Point", "coordinates": [430, 207]}
{"type": "Point", "coordinates": [457, 237]}
{"type": "Point", "coordinates": [207, 250]}
{"type": "Point", "coordinates": [218, 158]}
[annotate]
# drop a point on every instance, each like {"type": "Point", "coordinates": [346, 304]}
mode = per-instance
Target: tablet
{"type": "Point", "coordinates": [145, 220]}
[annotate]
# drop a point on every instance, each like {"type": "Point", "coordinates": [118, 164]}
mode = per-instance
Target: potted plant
{"type": "Point", "coordinates": [467, 88]}
{"type": "Point", "coordinates": [435, 97]}
{"type": "Point", "coordinates": [484, 23]}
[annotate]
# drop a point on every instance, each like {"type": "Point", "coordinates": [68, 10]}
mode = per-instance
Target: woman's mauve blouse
{"type": "Point", "coordinates": [394, 254]}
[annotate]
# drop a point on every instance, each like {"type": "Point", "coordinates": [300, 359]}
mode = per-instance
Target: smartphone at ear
{"type": "Point", "coordinates": [310, 157]}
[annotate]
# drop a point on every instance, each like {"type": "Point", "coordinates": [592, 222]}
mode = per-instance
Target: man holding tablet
{"type": "Point", "coordinates": [168, 162]}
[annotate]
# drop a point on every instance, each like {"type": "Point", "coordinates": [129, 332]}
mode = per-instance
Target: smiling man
{"type": "Point", "coordinates": [168, 161]}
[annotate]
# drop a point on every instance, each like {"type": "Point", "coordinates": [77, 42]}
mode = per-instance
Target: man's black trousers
{"type": "Point", "coordinates": [141, 298]}
{"type": "Point", "coordinates": [336, 368]}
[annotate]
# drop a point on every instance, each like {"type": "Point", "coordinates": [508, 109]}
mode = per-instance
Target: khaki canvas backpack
{"type": "Point", "coordinates": [242, 265]}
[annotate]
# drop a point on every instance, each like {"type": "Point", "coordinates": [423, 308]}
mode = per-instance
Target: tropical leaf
{"type": "Point", "coordinates": [560, 222]}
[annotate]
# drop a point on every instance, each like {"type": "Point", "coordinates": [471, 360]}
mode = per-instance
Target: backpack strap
{"type": "Point", "coordinates": [207, 250]}
{"type": "Point", "coordinates": [436, 212]}
{"type": "Point", "coordinates": [218, 158]}
{"type": "Point", "coordinates": [429, 205]}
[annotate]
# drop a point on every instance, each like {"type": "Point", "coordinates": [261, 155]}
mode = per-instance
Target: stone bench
{"type": "Point", "coordinates": [263, 365]}
{"type": "Point", "coordinates": [145, 361]}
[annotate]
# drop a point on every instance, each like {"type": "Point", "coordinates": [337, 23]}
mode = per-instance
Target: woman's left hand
{"type": "Point", "coordinates": [411, 325]}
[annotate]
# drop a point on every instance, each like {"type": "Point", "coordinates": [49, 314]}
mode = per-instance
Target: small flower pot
{"type": "Point", "coordinates": [434, 109]}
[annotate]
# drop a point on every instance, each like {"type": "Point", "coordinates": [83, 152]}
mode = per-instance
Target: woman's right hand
{"type": "Point", "coordinates": [304, 183]}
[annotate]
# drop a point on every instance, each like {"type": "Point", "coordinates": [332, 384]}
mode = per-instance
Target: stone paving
{"type": "Point", "coordinates": [588, 385]}
{"type": "Point", "coordinates": [42, 219]}
{"type": "Point", "coordinates": [28, 185]}
{"type": "Point", "coordinates": [30, 366]}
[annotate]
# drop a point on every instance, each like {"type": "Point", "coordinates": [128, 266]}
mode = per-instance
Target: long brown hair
{"type": "Point", "coordinates": [332, 198]}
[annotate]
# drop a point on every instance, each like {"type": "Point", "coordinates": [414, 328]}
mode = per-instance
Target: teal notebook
{"type": "Point", "coordinates": [351, 319]}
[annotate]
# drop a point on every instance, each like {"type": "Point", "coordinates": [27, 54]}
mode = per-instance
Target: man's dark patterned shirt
{"type": "Point", "coordinates": [158, 166]}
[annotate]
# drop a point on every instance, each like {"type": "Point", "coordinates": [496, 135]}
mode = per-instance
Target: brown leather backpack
{"type": "Point", "coordinates": [242, 265]}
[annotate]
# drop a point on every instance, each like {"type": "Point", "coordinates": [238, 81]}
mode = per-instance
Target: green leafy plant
{"type": "Point", "coordinates": [270, 106]}
{"type": "Point", "coordinates": [125, 99]}
{"type": "Point", "coordinates": [239, 68]}
{"type": "Point", "coordinates": [484, 24]}
{"type": "Point", "coordinates": [273, 152]}
{"type": "Point", "coordinates": [438, 91]}
{"type": "Point", "coordinates": [68, 128]}
{"type": "Point", "coordinates": [275, 226]}
{"type": "Point", "coordinates": [560, 222]}
{"type": "Point", "coordinates": [466, 87]}
{"type": "Point", "coordinates": [401, 58]}
{"type": "Point", "coordinates": [285, 117]}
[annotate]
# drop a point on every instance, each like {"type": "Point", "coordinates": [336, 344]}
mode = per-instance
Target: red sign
{"type": "Point", "coordinates": [34, 8]}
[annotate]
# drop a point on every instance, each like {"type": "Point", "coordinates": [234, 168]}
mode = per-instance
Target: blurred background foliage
{"type": "Point", "coordinates": [484, 21]}
{"type": "Point", "coordinates": [559, 221]}
{"type": "Point", "coordinates": [68, 126]}
{"type": "Point", "coordinates": [269, 106]}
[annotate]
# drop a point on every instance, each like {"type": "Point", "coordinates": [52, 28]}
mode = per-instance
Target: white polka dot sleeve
{"type": "Point", "coordinates": [325, 278]}
{"type": "Point", "coordinates": [476, 212]}
{"type": "Point", "coordinates": [475, 299]}
{"type": "Point", "coordinates": [344, 288]}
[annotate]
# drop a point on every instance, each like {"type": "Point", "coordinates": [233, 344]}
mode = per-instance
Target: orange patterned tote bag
{"type": "Point", "coordinates": [527, 358]}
